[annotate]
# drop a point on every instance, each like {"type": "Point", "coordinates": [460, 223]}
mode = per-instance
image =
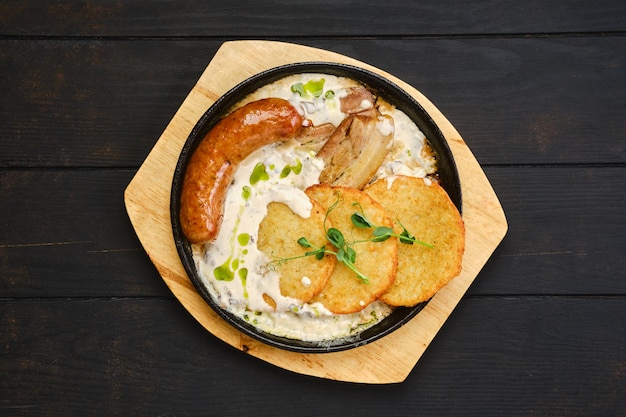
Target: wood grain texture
{"type": "Point", "coordinates": [101, 103]}
{"type": "Point", "coordinates": [271, 18]}
{"type": "Point", "coordinates": [561, 356]}
{"type": "Point", "coordinates": [566, 234]}
{"type": "Point", "coordinates": [384, 361]}
{"type": "Point", "coordinates": [569, 230]}
{"type": "Point", "coordinates": [67, 234]}
{"type": "Point", "coordinates": [535, 89]}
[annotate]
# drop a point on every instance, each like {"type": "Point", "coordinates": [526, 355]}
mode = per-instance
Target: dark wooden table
{"type": "Point", "coordinates": [536, 88]}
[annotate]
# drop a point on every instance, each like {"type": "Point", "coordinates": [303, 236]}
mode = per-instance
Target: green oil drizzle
{"type": "Point", "coordinates": [243, 239]}
{"type": "Point", "coordinates": [296, 169]}
{"type": "Point", "coordinates": [246, 192]}
{"type": "Point", "coordinates": [312, 88]}
{"type": "Point", "coordinates": [234, 265]}
{"type": "Point", "coordinates": [259, 173]}
{"type": "Point", "coordinates": [224, 271]}
{"type": "Point", "coordinates": [243, 274]}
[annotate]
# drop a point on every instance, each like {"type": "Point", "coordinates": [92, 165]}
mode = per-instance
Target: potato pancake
{"type": "Point", "coordinates": [345, 292]}
{"type": "Point", "coordinates": [427, 212]}
{"type": "Point", "coordinates": [303, 277]}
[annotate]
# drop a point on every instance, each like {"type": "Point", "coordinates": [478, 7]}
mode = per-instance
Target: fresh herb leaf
{"type": "Point", "coordinates": [351, 254]}
{"type": "Point", "coordinates": [336, 237]}
{"type": "Point", "coordinates": [304, 242]}
{"type": "Point", "coordinates": [360, 221]}
{"type": "Point", "coordinates": [345, 253]}
{"type": "Point", "coordinates": [406, 237]}
{"type": "Point", "coordinates": [382, 233]}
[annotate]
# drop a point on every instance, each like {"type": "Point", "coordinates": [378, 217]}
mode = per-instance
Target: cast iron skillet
{"type": "Point", "coordinates": [380, 86]}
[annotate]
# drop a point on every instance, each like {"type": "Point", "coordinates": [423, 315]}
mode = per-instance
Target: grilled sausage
{"type": "Point", "coordinates": [212, 165]}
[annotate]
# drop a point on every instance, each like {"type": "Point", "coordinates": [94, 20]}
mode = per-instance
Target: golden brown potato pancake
{"type": "Point", "coordinates": [427, 212]}
{"type": "Point", "coordinates": [345, 292]}
{"type": "Point", "coordinates": [304, 277]}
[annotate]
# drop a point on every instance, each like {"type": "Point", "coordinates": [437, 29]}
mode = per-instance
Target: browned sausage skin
{"type": "Point", "coordinates": [212, 165]}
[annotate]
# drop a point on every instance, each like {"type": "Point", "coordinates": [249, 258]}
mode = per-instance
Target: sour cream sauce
{"type": "Point", "coordinates": [236, 272]}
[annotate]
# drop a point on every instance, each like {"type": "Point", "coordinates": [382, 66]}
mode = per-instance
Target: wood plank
{"type": "Point", "coordinates": [523, 101]}
{"type": "Point", "coordinates": [149, 357]}
{"type": "Point", "coordinates": [248, 18]}
{"type": "Point", "coordinates": [96, 103]}
{"type": "Point", "coordinates": [65, 233]}
{"type": "Point", "coordinates": [566, 234]}
{"type": "Point", "coordinates": [515, 101]}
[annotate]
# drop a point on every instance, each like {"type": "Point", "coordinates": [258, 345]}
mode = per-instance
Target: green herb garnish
{"type": "Point", "coordinates": [344, 252]}
{"type": "Point", "coordinates": [382, 233]}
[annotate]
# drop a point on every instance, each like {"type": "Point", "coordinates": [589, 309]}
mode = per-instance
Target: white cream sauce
{"type": "Point", "coordinates": [317, 110]}
{"type": "Point", "coordinates": [235, 248]}
{"type": "Point", "coordinates": [235, 270]}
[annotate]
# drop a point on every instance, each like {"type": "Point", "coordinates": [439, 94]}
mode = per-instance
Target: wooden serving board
{"type": "Point", "coordinates": [388, 360]}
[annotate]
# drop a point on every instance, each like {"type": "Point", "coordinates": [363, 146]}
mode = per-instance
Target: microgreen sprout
{"type": "Point", "coordinates": [382, 233]}
{"type": "Point", "coordinates": [344, 252]}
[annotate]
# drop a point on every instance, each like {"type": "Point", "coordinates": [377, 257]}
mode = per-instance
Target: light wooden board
{"type": "Point", "coordinates": [388, 360]}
